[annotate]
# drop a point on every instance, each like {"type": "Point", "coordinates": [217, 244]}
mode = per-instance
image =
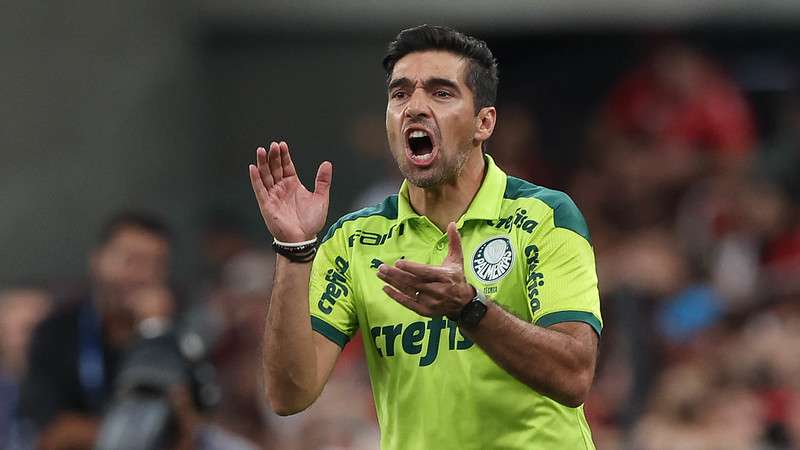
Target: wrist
{"type": "Point", "coordinates": [293, 236]}
{"type": "Point", "coordinates": [296, 252]}
{"type": "Point", "coordinates": [473, 312]}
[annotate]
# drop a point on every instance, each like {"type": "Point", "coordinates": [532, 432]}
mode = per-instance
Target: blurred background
{"type": "Point", "coordinates": [674, 125]}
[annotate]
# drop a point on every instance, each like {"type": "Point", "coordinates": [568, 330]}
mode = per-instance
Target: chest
{"type": "Point", "coordinates": [494, 262]}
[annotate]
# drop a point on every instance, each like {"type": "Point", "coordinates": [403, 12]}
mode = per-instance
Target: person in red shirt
{"type": "Point", "coordinates": [678, 100]}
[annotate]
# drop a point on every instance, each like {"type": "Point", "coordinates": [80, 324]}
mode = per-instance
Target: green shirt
{"type": "Point", "coordinates": [527, 248]}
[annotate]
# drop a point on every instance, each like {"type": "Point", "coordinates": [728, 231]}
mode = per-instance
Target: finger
{"type": "Point", "coordinates": [437, 291]}
{"type": "Point", "coordinates": [286, 161]}
{"type": "Point", "coordinates": [454, 254]}
{"type": "Point", "coordinates": [399, 279]}
{"type": "Point", "coordinates": [407, 301]}
{"type": "Point", "coordinates": [423, 272]}
{"type": "Point", "coordinates": [322, 185]}
{"type": "Point", "coordinates": [263, 168]}
{"type": "Point", "coordinates": [258, 184]}
{"type": "Point", "coordinates": [274, 162]}
{"type": "Point", "coordinates": [428, 294]}
{"type": "Point", "coordinates": [181, 400]}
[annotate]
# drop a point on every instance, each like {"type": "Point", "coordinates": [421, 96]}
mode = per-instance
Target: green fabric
{"type": "Point", "coordinates": [387, 208]}
{"type": "Point", "coordinates": [333, 335]}
{"type": "Point", "coordinates": [566, 213]}
{"type": "Point", "coordinates": [570, 316]}
{"type": "Point", "coordinates": [433, 388]}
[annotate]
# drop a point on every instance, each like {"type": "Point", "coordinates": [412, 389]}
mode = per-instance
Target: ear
{"type": "Point", "coordinates": [484, 123]}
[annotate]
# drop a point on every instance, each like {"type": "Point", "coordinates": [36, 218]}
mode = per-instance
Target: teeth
{"type": "Point", "coordinates": [422, 158]}
{"type": "Point", "coordinates": [418, 134]}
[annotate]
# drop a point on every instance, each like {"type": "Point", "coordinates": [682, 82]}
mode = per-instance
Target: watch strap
{"type": "Point", "coordinates": [479, 296]}
{"type": "Point", "coordinates": [472, 313]}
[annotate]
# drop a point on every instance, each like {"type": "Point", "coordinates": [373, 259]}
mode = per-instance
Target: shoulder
{"type": "Point", "coordinates": [385, 210]}
{"type": "Point", "coordinates": [61, 323]}
{"type": "Point", "coordinates": [54, 341]}
{"type": "Point", "coordinates": [564, 210]}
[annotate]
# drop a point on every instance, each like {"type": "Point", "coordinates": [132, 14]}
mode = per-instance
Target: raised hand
{"type": "Point", "coordinates": [431, 290]}
{"type": "Point", "coordinates": [290, 211]}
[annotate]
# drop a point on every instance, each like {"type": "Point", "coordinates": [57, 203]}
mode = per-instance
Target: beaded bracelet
{"type": "Point", "coordinates": [297, 252]}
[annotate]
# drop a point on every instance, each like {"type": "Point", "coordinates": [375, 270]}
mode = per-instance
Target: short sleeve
{"type": "Point", "coordinates": [45, 388]}
{"type": "Point", "coordinates": [331, 296]}
{"type": "Point", "coordinates": [561, 277]}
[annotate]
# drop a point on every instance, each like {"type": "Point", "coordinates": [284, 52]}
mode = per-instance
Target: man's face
{"type": "Point", "coordinates": [132, 259]}
{"type": "Point", "coordinates": [430, 117]}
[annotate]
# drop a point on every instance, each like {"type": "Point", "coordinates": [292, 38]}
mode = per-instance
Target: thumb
{"type": "Point", "coordinates": [454, 253]}
{"type": "Point", "coordinates": [324, 175]}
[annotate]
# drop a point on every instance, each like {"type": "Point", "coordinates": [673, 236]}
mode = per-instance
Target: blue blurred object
{"type": "Point", "coordinates": [691, 311]}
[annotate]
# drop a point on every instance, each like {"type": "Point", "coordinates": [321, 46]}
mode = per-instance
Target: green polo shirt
{"type": "Point", "coordinates": [527, 248]}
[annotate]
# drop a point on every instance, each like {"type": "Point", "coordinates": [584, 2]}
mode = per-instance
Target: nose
{"type": "Point", "coordinates": [417, 105]}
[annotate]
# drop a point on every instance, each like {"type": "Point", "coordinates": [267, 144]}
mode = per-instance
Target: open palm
{"type": "Point", "coordinates": [290, 211]}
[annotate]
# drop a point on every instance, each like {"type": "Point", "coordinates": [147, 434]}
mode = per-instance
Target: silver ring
{"type": "Point", "coordinates": [416, 296]}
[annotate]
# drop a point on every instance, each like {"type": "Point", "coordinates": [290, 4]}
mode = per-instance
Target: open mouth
{"type": "Point", "coordinates": [420, 146]}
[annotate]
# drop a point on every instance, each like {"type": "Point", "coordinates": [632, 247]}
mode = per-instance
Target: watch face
{"type": "Point", "coordinates": [473, 313]}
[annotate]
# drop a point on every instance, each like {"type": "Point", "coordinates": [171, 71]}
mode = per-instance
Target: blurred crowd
{"type": "Point", "coordinates": [695, 219]}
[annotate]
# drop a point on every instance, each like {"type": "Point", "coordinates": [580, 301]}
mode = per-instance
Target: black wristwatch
{"type": "Point", "coordinates": [473, 312]}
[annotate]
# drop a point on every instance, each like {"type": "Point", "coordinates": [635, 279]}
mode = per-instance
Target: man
{"type": "Point", "coordinates": [475, 292]}
{"type": "Point", "coordinates": [75, 353]}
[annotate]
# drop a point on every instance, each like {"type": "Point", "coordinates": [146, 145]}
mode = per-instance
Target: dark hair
{"type": "Point", "coordinates": [481, 70]}
{"type": "Point", "coordinates": [145, 221]}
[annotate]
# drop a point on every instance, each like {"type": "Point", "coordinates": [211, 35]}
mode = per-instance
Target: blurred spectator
{"type": "Point", "coordinates": [326, 425]}
{"type": "Point", "coordinates": [779, 163]}
{"type": "Point", "coordinates": [223, 238]}
{"type": "Point", "coordinates": [239, 308]}
{"type": "Point", "coordinates": [681, 229]}
{"type": "Point", "coordinates": [195, 433]}
{"type": "Point", "coordinates": [367, 138]}
{"type": "Point", "coordinates": [21, 309]}
{"type": "Point", "coordinates": [679, 102]}
{"type": "Point", "coordinates": [668, 123]}
{"type": "Point", "coordinates": [733, 389]}
{"type": "Point", "coordinates": [692, 411]}
{"type": "Point", "coordinates": [515, 145]}
{"type": "Point", "coordinates": [779, 157]}
{"type": "Point", "coordinates": [165, 367]}
{"type": "Point", "coordinates": [724, 225]}
{"type": "Point", "coordinates": [239, 304]}
{"type": "Point", "coordinates": [75, 352]}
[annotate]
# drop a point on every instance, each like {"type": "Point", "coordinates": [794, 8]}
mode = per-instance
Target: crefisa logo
{"type": "Point", "coordinates": [493, 259]}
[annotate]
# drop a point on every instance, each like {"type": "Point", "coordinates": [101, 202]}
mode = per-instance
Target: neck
{"type": "Point", "coordinates": [448, 202]}
{"type": "Point", "coordinates": [118, 327]}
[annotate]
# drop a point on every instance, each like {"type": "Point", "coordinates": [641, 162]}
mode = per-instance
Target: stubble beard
{"type": "Point", "coordinates": [441, 172]}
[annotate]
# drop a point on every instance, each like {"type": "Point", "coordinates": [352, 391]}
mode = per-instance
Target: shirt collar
{"type": "Point", "coordinates": [485, 205]}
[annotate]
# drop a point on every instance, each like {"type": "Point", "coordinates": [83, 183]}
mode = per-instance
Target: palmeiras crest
{"type": "Point", "coordinates": [493, 259]}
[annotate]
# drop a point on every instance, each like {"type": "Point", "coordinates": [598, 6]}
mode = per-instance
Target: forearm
{"type": "Point", "coordinates": [551, 362]}
{"type": "Point", "coordinates": [290, 363]}
{"type": "Point", "coordinates": [293, 354]}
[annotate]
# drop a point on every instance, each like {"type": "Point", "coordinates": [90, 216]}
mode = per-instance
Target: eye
{"type": "Point", "coordinates": [399, 95]}
{"type": "Point", "coordinates": [442, 94]}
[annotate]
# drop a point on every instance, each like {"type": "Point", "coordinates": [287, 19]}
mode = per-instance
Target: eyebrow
{"type": "Point", "coordinates": [435, 81]}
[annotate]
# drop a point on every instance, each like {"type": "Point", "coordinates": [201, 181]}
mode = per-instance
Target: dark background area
{"type": "Point", "coordinates": [165, 112]}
